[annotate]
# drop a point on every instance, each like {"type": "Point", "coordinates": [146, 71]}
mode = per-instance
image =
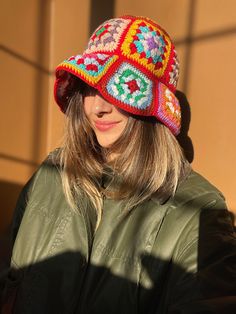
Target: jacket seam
{"type": "Point", "coordinates": [187, 247]}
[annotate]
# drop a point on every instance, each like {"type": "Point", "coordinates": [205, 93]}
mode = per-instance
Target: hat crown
{"type": "Point", "coordinates": [141, 41]}
{"type": "Point", "coordinates": [133, 64]}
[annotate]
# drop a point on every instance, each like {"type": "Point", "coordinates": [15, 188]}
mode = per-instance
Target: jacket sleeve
{"type": "Point", "coordinates": [20, 208]}
{"type": "Point", "coordinates": [27, 191]}
{"type": "Point", "coordinates": [203, 276]}
{"type": "Point", "coordinates": [9, 278]}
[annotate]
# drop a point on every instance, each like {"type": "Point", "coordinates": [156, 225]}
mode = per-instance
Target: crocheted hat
{"type": "Point", "coordinates": [132, 62]}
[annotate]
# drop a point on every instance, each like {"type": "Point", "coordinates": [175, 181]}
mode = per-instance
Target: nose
{"type": "Point", "coordinates": [101, 106]}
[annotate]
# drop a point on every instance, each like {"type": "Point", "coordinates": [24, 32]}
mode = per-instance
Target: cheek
{"type": "Point", "coordinates": [124, 123]}
{"type": "Point", "coordinates": [88, 103]}
{"type": "Point", "coordinates": [123, 116]}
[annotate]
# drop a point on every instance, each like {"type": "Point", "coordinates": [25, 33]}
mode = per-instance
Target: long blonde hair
{"type": "Point", "coordinates": [148, 160]}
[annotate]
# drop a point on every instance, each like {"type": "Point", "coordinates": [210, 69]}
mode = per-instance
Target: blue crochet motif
{"type": "Point", "coordinates": [131, 87]}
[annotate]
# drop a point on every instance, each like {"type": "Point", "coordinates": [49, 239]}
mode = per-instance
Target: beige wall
{"type": "Point", "coordinates": [36, 35]}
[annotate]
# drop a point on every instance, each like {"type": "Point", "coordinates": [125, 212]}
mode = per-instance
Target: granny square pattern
{"type": "Point", "coordinates": [174, 72]}
{"type": "Point", "coordinates": [133, 64]}
{"type": "Point", "coordinates": [168, 110]}
{"type": "Point", "coordinates": [130, 86]}
{"type": "Point", "coordinates": [91, 67]}
{"type": "Point", "coordinates": [149, 45]}
{"type": "Point", "coordinates": [107, 36]}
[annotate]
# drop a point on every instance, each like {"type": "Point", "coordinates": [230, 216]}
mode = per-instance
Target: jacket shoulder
{"type": "Point", "coordinates": [45, 179]}
{"type": "Point", "coordinates": [48, 171]}
{"type": "Point", "coordinates": [197, 188]}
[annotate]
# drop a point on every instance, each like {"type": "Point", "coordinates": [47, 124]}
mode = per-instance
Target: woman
{"type": "Point", "coordinates": [116, 221]}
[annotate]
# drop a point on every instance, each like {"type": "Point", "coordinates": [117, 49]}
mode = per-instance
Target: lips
{"type": "Point", "coordinates": [105, 125]}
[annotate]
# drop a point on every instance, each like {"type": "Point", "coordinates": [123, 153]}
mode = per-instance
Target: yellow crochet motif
{"type": "Point", "coordinates": [136, 56]}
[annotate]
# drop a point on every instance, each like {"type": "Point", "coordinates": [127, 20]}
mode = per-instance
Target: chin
{"type": "Point", "coordinates": [105, 142]}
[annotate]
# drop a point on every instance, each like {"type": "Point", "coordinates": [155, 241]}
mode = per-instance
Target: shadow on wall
{"type": "Point", "coordinates": [9, 191]}
{"type": "Point", "coordinates": [183, 138]}
{"type": "Point", "coordinates": [100, 11]}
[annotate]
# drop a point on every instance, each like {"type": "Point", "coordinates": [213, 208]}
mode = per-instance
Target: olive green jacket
{"type": "Point", "coordinates": [177, 256]}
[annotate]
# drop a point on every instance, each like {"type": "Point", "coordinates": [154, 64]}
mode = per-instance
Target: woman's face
{"type": "Point", "coordinates": [107, 121]}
